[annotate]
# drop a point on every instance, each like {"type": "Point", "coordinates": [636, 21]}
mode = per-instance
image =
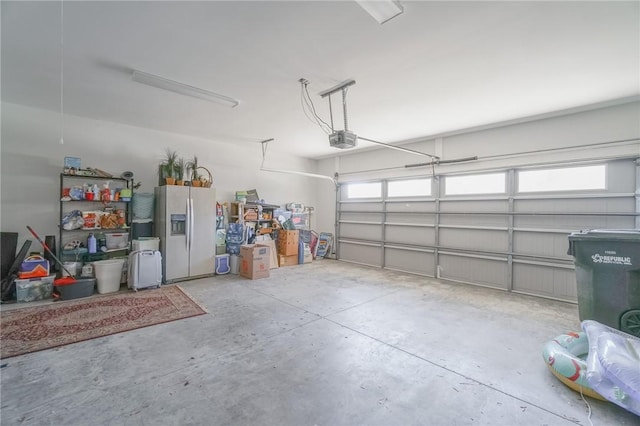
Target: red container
{"type": "Point", "coordinates": [105, 195]}
{"type": "Point", "coordinates": [88, 196]}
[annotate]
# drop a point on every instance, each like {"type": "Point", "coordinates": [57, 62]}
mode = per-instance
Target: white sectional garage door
{"type": "Point", "coordinates": [513, 240]}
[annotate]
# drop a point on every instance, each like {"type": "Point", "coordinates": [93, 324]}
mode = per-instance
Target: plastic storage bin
{"type": "Point", "coordinates": [72, 267]}
{"type": "Point", "coordinates": [146, 243]}
{"type": "Point", "coordinates": [117, 240]}
{"type": "Point", "coordinates": [142, 205]}
{"type": "Point", "coordinates": [82, 287]}
{"type": "Point", "coordinates": [29, 290]}
{"type": "Point", "coordinates": [141, 228]}
{"type": "Point", "coordinates": [222, 264]}
{"type": "Point", "coordinates": [608, 277]}
{"type": "Point", "coordinates": [301, 220]}
{"type": "Point", "coordinates": [108, 275]}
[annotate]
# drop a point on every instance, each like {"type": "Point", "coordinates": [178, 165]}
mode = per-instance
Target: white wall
{"type": "Point", "coordinates": [548, 140]}
{"type": "Point", "coordinates": [32, 159]}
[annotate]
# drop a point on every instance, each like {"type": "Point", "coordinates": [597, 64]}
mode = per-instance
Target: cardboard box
{"type": "Point", "coordinates": [251, 214]}
{"type": "Point", "coordinates": [287, 242]}
{"type": "Point", "coordinates": [273, 258]}
{"type": "Point", "coordinates": [287, 260]}
{"type": "Point", "coordinates": [254, 261]}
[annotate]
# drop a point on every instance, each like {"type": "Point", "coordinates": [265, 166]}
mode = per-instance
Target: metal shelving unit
{"type": "Point", "coordinates": [238, 211]}
{"type": "Point", "coordinates": [66, 206]}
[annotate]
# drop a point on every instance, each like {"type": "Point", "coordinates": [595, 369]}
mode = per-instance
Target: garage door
{"type": "Point", "coordinates": [506, 229]}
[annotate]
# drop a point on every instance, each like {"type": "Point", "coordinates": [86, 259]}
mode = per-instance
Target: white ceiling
{"type": "Point", "coordinates": [438, 67]}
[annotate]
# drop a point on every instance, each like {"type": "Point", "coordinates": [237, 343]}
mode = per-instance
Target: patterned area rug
{"type": "Point", "coordinates": [61, 323]}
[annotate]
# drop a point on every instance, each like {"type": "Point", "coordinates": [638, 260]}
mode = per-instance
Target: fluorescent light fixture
{"type": "Point", "coordinates": [183, 89]}
{"type": "Point", "coordinates": [381, 10]}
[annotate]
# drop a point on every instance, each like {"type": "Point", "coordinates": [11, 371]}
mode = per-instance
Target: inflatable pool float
{"type": "Point", "coordinates": [565, 356]}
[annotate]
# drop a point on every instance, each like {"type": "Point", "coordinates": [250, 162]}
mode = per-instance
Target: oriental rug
{"type": "Point", "coordinates": [61, 323]}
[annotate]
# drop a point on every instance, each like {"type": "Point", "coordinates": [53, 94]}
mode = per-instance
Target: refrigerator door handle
{"type": "Point", "coordinates": [187, 230]}
{"type": "Point", "coordinates": [192, 221]}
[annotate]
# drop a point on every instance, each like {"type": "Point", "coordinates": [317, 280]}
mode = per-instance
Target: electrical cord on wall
{"type": "Point", "coordinates": [304, 109]}
{"type": "Point", "coordinates": [306, 90]}
{"type": "Point", "coordinates": [309, 108]}
{"type": "Point", "coordinates": [61, 72]}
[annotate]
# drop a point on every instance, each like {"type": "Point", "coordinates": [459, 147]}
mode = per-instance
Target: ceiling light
{"type": "Point", "coordinates": [381, 10]}
{"type": "Point", "coordinates": [183, 89]}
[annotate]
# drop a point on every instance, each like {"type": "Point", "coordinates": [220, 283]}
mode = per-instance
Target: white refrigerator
{"type": "Point", "coordinates": [186, 225]}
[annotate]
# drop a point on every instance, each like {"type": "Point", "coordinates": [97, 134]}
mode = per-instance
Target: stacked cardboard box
{"type": "Point", "coordinates": [251, 214]}
{"type": "Point", "coordinates": [287, 247]}
{"type": "Point", "coordinates": [287, 260]}
{"type": "Point", "coordinates": [273, 251]}
{"type": "Point", "coordinates": [254, 261]}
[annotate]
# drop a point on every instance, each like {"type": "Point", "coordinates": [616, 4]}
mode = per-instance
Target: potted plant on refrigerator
{"type": "Point", "coordinates": [179, 168]}
{"type": "Point", "coordinates": [193, 168]}
{"type": "Point", "coordinates": [168, 166]}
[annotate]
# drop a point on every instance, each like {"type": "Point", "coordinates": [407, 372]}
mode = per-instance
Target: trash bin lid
{"type": "Point", "coordinates": [628, 235]}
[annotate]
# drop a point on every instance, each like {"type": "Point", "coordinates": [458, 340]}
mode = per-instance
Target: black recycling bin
{"type": "Point", "coordinates": [608, 276]}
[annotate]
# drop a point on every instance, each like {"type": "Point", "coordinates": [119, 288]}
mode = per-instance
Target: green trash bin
{"type": "Point", "coordinates": [608, 276]}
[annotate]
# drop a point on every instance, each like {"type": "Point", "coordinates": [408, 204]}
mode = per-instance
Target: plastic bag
{"type": "Point", "coordinates": [613, 365]}
{"type": "Point", "coordinates": [72, 220]}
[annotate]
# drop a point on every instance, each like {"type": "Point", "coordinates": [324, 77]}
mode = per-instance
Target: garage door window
{"type": "Point", "coordinates": [364, 190]}
{"type": "Point", "coordinates": [565, 179]}
{"type": "Point", "coordinates": [409, 188]}
{"type": "Point", "coordinates": [491, 183]}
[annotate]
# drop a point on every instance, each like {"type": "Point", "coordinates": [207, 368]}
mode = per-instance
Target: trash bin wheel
{"type": "Point", "coordinates": [630, 322]}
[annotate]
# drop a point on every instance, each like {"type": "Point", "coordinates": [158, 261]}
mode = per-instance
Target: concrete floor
{"type": "Point", "coordinates": [327, 343]}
